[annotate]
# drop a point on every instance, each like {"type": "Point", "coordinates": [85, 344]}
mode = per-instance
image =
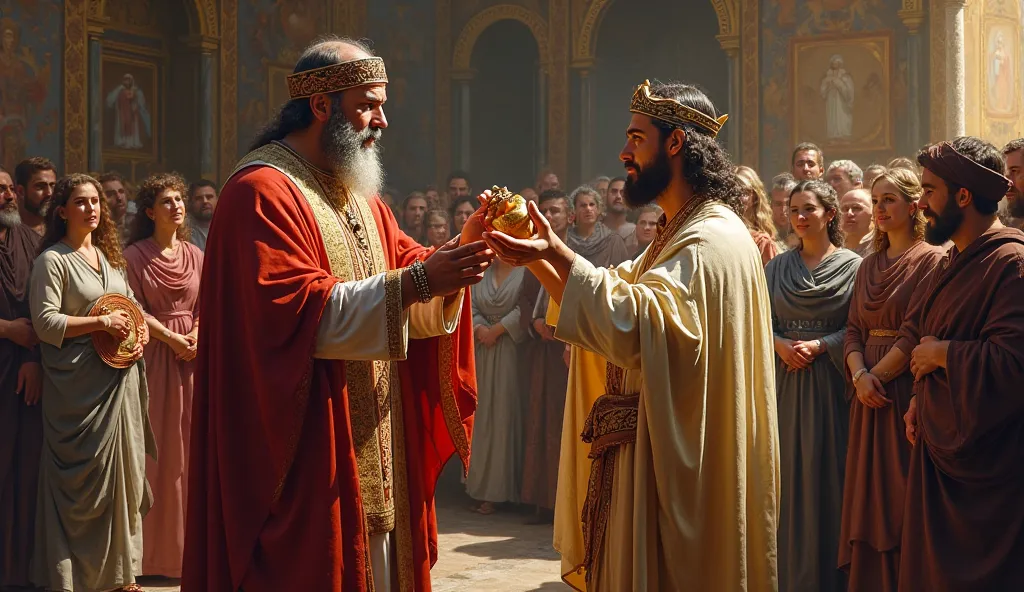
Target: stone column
{"type": "Point", "coordinates": [956, 124]}
{"type": "Point", "coordinates": [95, 149]}
{"type": "Point", "coordinates": [584, 69]}
{"type": "Point", "coordinates": [205, 48]}
{"type": "Point", "coordinates": [731, 46]}
{"type": "Point", "coordinates": [913, 18]}
{"type": "Point", "coordinates": [462, 80]}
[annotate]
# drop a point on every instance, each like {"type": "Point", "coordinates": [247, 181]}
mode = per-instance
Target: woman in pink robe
{"type": "Point", "coordinates": [164, 271]}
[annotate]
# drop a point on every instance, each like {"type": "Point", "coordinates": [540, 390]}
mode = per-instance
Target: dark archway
{"type": "Point", "coordinates": [504, 106]}
{"type": "Point", "coordinates": [655, 39]}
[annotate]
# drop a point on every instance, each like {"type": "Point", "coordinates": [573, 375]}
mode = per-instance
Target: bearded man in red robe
{"type": "Point", "coordinates": [336, 374]}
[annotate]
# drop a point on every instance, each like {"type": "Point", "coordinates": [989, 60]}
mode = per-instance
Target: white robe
{"type": "Point", "coordinates": [695, 499]}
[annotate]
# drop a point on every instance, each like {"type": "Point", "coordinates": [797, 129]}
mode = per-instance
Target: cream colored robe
{"type": "Point", "coordinates": [696, 499]}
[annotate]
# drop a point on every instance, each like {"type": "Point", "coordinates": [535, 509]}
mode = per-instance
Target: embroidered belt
{"type": "Point", "coordinates": [610, 424]}
{"type": "Point", "coordinates": [883, 333]}
{"type": "Point", "coordinates": [803, 335]}
{"type": "Point", "coordinates": [493, 319]}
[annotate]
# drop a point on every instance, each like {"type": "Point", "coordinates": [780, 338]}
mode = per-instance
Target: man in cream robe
{"type": "Point", "coordinates": [683, 485]}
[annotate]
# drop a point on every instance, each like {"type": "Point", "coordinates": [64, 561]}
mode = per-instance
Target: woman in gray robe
{"type": "Point", "coordinates": [495, 468]}
{"type": "Point", "coordinates": [92, 484]}
{"type": "Point", "coordinates": [810, 288]}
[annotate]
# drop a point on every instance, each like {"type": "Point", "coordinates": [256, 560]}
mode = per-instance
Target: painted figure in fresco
{"type": "Point", "coordinates": [1000, 76]}
{"type": "Point", "coordinates": [22, 84]}
{"type": "Point", "coordinates": [837, 90]}
{"type": "Point", "coordinates": [132, 122]}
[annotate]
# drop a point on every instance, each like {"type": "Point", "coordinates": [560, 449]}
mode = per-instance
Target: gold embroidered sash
{"type": "Point", "coordinates": [612, 420]}
{"type": "Point", "coordinates": [370, 384]}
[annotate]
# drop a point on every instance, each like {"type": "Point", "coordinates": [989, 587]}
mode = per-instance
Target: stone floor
{"type": "Point", "coordinates": [480, 553]}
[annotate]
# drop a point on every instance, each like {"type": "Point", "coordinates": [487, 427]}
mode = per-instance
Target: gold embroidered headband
{"type": "Point", "coordinates": [673, 112]}
{"type": "Point", "coordinates": [337, 77]}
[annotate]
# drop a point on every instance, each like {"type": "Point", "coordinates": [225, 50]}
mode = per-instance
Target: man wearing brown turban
{"type": "Point", "coordinates": [963, 519]}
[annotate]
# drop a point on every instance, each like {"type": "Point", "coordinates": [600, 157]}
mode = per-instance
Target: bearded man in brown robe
{"type": "Point", "coordinates": [964, 517]}
{"type": "Point", "coordinates": [21, 434]}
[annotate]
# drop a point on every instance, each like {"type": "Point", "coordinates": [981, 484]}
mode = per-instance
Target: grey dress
{"type": "Point", "coordinates": [96, 433]}
{"type": "Point", "coordinates": [814, 415]}
{"type": "Point", "coordinates": [495, 468]}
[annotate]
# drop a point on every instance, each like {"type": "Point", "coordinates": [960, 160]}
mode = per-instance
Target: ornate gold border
{"type": "Point", "coordinates": [76, 95]}
{"type": "Point", "coordinates": [442, 90]}
{"type": "Point", "coordinates": [937, 51]}
{"type": "Point", "coordinates": [228, 86]}
{"type": "Point", "coordinates": [750, 72]}
{"type": "Point", "coordinates": [558, 86]}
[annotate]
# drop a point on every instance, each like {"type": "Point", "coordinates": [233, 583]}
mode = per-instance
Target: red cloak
{"type": "Point", "coordinates": [273, 498]}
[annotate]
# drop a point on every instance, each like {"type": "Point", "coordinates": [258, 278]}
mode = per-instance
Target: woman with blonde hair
{"type": "Point", "coordinates": [878, 452]}
{"type": "Point", "coordinates": [164, 269]}
{"type": "Point", "coordinates": [96, 433]}
{"type": "Point", "coordinates": [757, 213]}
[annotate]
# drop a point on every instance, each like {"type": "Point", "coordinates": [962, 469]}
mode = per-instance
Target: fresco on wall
{"type": "Point", "coordinates": [822, 81]}
{"type": "Point", "coordinates": [31, 36]}
{"type": "Point", "coordinates": [1001, 68]}
{"type": "Point", "coordinates": [271, 35]}
{"type": "Point", "coordinates": [130, 115]}
{"type": "Point", "coordinates": [402, 33]}
{"type": "Point", "coordinates": [841, 92]}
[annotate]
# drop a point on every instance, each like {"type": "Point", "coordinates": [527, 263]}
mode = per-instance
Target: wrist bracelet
{"type": "Point", "coordinates": [419, 280]}
{"type": "Point", "coordinates": [858, 374]}
{"type": "Point", "coordinates": [105, 319]}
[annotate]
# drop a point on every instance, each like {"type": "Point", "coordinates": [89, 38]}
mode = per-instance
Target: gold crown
{"type": "Point", "coordinates": [673, 112]}
{"type": "Point", "coordinates": [337, 77]}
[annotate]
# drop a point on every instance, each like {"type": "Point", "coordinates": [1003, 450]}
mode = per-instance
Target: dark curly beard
{"type": "Point", "coordinates": [941, 226]}
{"type": "Point", "coordinates": [651, 181]}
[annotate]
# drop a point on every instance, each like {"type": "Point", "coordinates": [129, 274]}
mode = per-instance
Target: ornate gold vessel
{"type": "Point", "coordinates": [506, 212]}
{"type": "Point", "coordinates": [114, 353]}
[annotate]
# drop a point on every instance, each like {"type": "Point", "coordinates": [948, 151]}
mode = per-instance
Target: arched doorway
{"type": "Point", "coordinates": [505, 118]}
{"type": "Point", "coordinates": [682, 46]}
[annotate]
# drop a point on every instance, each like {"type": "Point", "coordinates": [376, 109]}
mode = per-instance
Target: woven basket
{"type": "Point", "coordinates": [117, 355]}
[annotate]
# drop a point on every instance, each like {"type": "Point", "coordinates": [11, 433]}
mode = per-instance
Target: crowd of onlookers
{"type": "Point", "coordinates": [99, 234]}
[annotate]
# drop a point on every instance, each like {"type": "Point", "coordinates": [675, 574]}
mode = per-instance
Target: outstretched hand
{"type": "Point", "coordinates": [518, 251]}
{"type": "Point", "coordinates": [453, 267]}
{"type": "Point", "coordinates": [475, 226]}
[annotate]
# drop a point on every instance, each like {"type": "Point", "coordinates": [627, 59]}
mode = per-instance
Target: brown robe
{"type": "Point", "coordinates": [878, 452]}
{"type": "Point", "coordinates": [549, 377]}
{"type": "Point", "coordinates": [21, 433]}
{"type": "Point", "coordinates": [963, 526]}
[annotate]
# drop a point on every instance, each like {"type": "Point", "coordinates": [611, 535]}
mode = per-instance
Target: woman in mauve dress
{"type": "Point", "coordinates": [810, 289]}
{"type": "Point", "coordinates": [496, 467]}
{"type": "Point", "coordinates": [757, 213]}
{"type": "Point", "coordinates": [879, 453]}
{"type": "Point", "coordinates": [164, 270]}
{"type": "Point", "coordinates": [96, 433]}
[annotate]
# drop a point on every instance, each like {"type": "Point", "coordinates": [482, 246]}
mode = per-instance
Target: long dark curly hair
{"type": "Point", "coordinates": [105, 238]}
{"type": "Point", "coordinates": [830, 201]}
{"type": "Point", "coordinates": [707, 167]}
{"type": "Point", "coordinates": [150, 190]}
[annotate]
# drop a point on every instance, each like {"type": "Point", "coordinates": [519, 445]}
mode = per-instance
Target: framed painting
{"type": "Point", "coordinates": [131, 105]}
{"type": "Point", "coordinates": [841, 91]}
{"type": "Point", "coordinates": [277, 86]}
{"type": "Point", "coordinates": [1001, 68]}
